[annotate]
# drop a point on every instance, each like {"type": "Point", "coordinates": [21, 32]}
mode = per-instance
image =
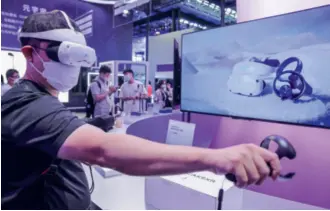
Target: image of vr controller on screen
{"type": "Point", "coordinates": [250, 78]}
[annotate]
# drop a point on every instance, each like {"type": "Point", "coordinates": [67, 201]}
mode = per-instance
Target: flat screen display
{"type": "Point", "coordinates": [274, 69]}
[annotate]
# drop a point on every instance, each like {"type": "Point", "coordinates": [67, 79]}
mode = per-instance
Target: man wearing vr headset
{"type": "Point", "coordinates": [43, 143]}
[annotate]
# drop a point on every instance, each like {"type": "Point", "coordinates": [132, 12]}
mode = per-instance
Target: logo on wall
{"type": "Point", "coordinates": [12, 21]}
{"type": "Point", "coordinates": [85, 23]}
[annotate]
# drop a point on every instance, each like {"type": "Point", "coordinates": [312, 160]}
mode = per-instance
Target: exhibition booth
{"type": "Point", "coordinates": [273, 86]}
{"type": "Point", "coordinates": [305, 184]}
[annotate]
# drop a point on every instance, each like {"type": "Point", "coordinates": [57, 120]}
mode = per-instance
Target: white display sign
{"type": "Point", "coordinates": [180, 133]}
{"type": "Point", "coordinates": [204, 182]}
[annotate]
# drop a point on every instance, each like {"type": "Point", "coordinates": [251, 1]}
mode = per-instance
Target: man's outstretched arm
{"type": "Point", "coordinates": [136, 156]}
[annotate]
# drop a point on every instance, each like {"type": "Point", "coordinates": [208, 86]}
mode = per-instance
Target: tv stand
{"type": "Point", "coordinates": [183, 119]}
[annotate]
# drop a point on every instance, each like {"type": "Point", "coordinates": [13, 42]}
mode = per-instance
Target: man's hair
{"type": "Point", "coordinates": [10, 73]}
{"type": "Point", "coordinates": [41, 22]}
{"type": "Point", "coordinates": [128, 71]}
{"type": "Point", "coordinates": [105, 69]}
{"type": "Point", "coordinates": [159, 84]}
{"type": "Point", "coordinates": [2, 80]}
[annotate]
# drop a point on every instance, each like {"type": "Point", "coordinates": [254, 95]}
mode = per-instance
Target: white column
{"type": "Point", "coordinates": [255, 9]}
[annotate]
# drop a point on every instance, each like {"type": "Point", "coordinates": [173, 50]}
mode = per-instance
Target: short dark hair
{"type": "Point", "coordinates": [41, 22]}
{"type": "Point", "coordinates": [128, 71]}
{"type": "Point", "coordinates": [159, 84]}
{"type": "Point", "coordinates": [2, 80]}
{"type": "Point", "coordinates": [105, 69]}
{"type": "Point", "coordinates": [10, 73]}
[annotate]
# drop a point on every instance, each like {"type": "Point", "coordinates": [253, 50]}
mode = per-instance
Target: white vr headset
{"type": "Point", "coordinates": [66, 46]}
{"type": "Point", "coordinates": [72, 54]}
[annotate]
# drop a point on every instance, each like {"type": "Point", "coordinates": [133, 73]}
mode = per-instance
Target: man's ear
{"type": "Point", "coordinates": [27, 52]}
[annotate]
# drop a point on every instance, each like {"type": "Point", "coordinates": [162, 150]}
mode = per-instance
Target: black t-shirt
{"type": "Point", "coordinates": [33, 128]}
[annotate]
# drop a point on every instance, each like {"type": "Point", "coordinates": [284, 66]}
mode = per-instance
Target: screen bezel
{"type": "Point", "coordinates": [242, 117]}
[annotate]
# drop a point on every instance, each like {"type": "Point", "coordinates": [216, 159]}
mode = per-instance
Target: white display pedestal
{"type": "Point", "coordinates": [199, 191]}
{"type": "Point", "coordinates": [106, 172]}
{"type": "Point", "coordinates": [195, 191]}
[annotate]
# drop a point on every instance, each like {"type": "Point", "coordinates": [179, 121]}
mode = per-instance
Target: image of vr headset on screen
{"type": "Point", "coordinates": [250, 78]}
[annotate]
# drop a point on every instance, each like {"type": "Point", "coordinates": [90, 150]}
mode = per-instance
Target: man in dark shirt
{"type": "Point", "coordinates": [43, 143]}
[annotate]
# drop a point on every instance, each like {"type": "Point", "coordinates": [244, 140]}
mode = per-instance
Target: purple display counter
{"type": "Point", "coordinates": [311, 185]}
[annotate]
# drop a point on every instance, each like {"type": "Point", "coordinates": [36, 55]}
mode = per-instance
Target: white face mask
{"type": "Point", "coordinates": [16, 80]}
{"type": "Point", "coordinates": [61, 77]}
{"type": "Point", "coordinates": [127, 78]}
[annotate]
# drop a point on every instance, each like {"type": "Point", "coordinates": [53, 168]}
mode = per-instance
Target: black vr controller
{"type": "Point", "coordinates": [295, 80]}
{"type": "Point", "coordinates": [285, 149]}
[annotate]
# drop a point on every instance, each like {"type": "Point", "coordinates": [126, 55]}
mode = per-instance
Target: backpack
{"type": "Point", "coordinates": [90, 104]}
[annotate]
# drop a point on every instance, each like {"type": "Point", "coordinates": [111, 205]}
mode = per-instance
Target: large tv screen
{"type": "Point", "coordinates": [274, 69]}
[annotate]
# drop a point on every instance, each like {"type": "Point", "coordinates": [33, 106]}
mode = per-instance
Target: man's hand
{"type": "Point", "coordinates": [127, 98]}
{"type": "Point", "coordinates": [112, 89]}
{"type": "Point", "coordinates": [247, 162]}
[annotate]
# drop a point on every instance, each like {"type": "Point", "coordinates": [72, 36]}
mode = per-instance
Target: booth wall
{"type": "Point", "coordinates": [310, 185]}
{"type": "Point", "coordinates": [160, 52]}
{"type": "Point", "coordinates": [110, 43]}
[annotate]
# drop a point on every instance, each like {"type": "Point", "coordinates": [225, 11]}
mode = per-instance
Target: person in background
{"type": "Point", "coordinates": [43, 143]}
{"type": "Point", "coordinates": [169, 92]}
{"type": "Point", "coordinates": [149, 88]}
{"type": "Point", "coordinates": [131, 92]}
{"type": "Point", "coordinates": [102, 92]}
{"type": "Point", "coordinates": [12, 76]}
{"type": "Point", "coordinates": [2, 80]}
{"type": "Point", "coordinates": [149, 99]}
{"type": "Point", "coordinates": [160, 94]}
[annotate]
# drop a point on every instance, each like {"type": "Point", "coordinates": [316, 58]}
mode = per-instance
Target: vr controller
{"type": "Point", "coordinates": [285, 149]}
{"type": "Point", "coordinates": [296, 85]}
